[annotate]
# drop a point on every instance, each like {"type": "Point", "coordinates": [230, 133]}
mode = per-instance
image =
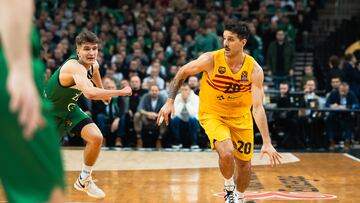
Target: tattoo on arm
{"type": "Point", "coordinates": [175, 86]}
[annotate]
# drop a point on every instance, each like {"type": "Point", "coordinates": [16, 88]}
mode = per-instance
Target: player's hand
{"type": "Point", "coordinates": [274, 156]}
{"type": "Point", "coordinates": [126, 91]}
{"type": "Point", "coordinates": [165, 111]}
{"type": "Point", "coordinates": [25, 100]}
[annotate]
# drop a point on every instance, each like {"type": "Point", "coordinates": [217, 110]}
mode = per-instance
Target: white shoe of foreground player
{"type": "Point", "coordinates": [231, 195]}
{"type": "Point", "coordinates": [89, 187]}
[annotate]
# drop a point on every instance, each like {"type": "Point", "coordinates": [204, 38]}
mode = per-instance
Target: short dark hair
{"type": "Point", "coordinates": [86, 37]}
{"type": "Point", "coordinates": [334, 61]}
{"type": "Point", "coordinates": [335, 77]}
{"type": "Point", "coordinates": [240, 28]}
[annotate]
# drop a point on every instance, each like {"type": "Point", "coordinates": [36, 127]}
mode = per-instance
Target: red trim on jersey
{"type": "Point", "coordinates": [226, 77]}
{"type": "Point", "coordinates": [212, 85]}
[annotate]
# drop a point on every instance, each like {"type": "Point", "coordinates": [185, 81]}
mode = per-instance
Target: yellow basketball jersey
{"type": "Point", "coordinates": [225, 93]}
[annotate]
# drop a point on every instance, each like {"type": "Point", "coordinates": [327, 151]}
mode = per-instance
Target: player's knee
{"type": "Point", "coordinates": [227, 155]}
{"type": "Point", "coordinates": [96, 139]}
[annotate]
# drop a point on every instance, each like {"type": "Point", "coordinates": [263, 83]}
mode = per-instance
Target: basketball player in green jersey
{"type": "Point", "coordinates": [31, 168]}
{"type": "Point", "coordinates": [75, 77]}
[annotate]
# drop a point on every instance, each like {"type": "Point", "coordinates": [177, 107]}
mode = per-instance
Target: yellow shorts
{"type": "Point", "coordinates": [238, 129]}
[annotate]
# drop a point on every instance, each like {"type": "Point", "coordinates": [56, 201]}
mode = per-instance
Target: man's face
{"type": "Point", "coordinates": [111, 85]}
{"type": "Point", "coordinates": [343, 90]}
{"type": "Point", "coordinates": [185, 91]}
{"type": "Point", "coordinates": [310, 85]}
{"type": "Point", "coordinates": [155, 70]}
{"type": "Point", "coordinates": [284, 88]}
{"type": "Point", "coordinates": [135, 82]}
{"type": "Point", "coordinates": [88, 52]}
{"type": "Point", "coordinates": [124, 83]}
{"type": "Point", "coordinates": [232, 44]}
{"type": "Point", "coordinates": [308, 70]}
{"type": "Point", "coordinates": [335, 83]}
{"type": "Point", "coordinates": [133, 65]}
{"type": "Point", "coordinates": [193, 82]}
{"type": "Point", "coordinates": [154, 91]}
{"type": "Point", "coordinates": [280, 36]}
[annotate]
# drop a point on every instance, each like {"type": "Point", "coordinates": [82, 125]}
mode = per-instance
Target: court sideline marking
{"type": "Point", "coordinates": [352, 157]}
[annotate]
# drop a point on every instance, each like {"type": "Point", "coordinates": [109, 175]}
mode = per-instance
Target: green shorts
{"type": "Point", "coordinates": [30, 169]}
{"type": "Point", "coordinates": [72, 122]}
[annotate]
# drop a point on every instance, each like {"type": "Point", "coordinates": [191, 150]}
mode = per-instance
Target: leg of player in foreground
{"type": "Point", "coordinates": [31, 167]}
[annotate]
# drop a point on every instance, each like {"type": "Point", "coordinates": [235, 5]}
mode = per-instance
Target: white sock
{"type": "Point", "coordinates": [230, 181]}
{"type": "Point", "coordinates": [229, 184]}
{"type": "Point", "coordinates": [85, 172]}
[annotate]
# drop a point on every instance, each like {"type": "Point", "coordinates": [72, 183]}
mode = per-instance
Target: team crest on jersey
{"type": "Point", "coordinates": [244, 76]}
{"type": "Point", "coordinates": [222, 69]}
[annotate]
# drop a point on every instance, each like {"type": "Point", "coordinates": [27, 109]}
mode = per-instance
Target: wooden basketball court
{"type": "Point", "coordinates": [145, 176]}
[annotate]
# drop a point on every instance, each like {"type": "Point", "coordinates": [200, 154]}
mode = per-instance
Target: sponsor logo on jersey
{"type": "Point", "coordinates": [244, 76]}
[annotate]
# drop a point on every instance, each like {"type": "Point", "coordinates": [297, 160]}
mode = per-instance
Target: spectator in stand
{"type": "Point", "coordinates": [172, 72]}
{"type": "Point", "coordinates": [155, 75]}
{"type": "Point", "coordinates": [333, 70]}
{"type": "Point", "coordinates": [134, 69]}
{"type": "Point", "coordinates": [149, 107]}
{"type": "Point", "coordinates": [162, 68]}
{"type": "Point", "coordinates": [351, 74]}
{"type": "Point", "coordinates": [255, 45]}
{"type": "Point", "coordinates": [186, 110]}
{"type": "Point", "coordinates": [285, 121]}
{"type": "Point", "coordinates": [308, 75]}
{"type": "Point", "coordinates": [280, 58]}
{"type": "Point", "coordinates": [310, 119]}
{"type": "Point", "coordinates": [290, 31]}
{"type": "Point", "coordinates": [108, 115]}
{"type": "Point", "coordinates": [335, 84]}
{"type": "Point", "coordinates": [129, 136]}
{"type": "Point", "coordinates": [193, 82]}
{"type": "Point", "coordinates": [341, 122]}
{"type": "Point", "coordinates": [303, 25]}
{"type": "Point", "coordinates": [206, 40]}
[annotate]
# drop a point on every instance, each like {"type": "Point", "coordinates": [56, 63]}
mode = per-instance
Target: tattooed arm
{"type": "Point", "coordinates": [203, 64]}
{"type": "Point", "coordinates": [258, 112]}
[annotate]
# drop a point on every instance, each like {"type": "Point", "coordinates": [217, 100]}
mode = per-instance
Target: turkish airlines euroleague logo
{"type": "Point", "coordinates": [283, 196]}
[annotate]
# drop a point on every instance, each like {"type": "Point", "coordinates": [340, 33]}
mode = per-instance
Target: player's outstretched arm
{"type": "Point", "coordinates": [82, 83]}
{"type": "Point", "coordinates": [258, 112]}
{"type": "Point", "coordinates": [95, 93]}
{"type": "Point", "coordinates": [201, 64]}
{"type": "Point", "coordinates": [15, 28]}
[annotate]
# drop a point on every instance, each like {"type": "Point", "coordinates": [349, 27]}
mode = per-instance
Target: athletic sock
{"type": "Point", "coordinates": [229, 183]}
{"type": "Point", "coordinates": [85, 172]}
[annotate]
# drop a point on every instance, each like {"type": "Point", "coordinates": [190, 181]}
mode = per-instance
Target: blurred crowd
{"type": "Point", "coordinates": [144, 43]}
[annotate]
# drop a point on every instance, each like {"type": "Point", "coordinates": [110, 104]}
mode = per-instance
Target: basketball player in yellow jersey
{"type": "Point", "coordinates": [231, 84]}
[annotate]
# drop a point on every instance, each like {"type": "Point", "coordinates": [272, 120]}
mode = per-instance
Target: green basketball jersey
{"type": "Point", "coordinates": [64, 99]}
{"type": "Point", "coordinates": [66, 112]}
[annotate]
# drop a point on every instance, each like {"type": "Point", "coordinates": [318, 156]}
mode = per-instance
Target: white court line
{"type": "Point", "coordinates": [352, 157]}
